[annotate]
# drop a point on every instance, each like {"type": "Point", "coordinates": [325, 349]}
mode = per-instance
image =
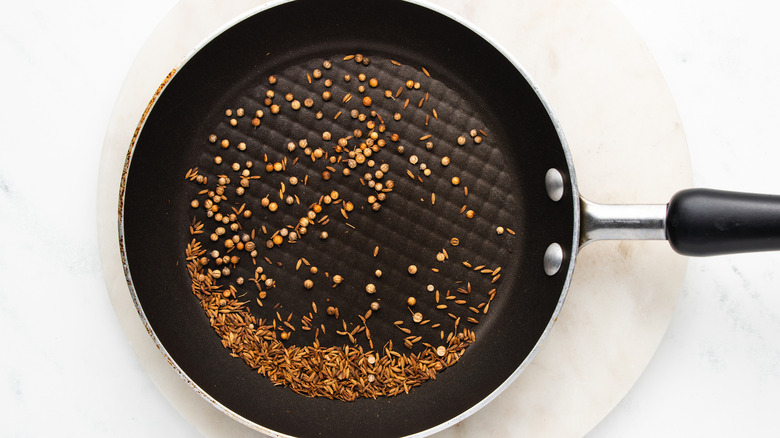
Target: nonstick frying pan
{"type": "Point", "coordinates": [520, 177]}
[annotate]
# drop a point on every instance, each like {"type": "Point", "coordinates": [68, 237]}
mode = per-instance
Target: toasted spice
{"type": "Point", "coordinates": [357, 371]}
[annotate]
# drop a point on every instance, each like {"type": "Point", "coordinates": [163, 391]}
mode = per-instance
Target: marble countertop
{"type": "Point", "coordinates": [67, 368]}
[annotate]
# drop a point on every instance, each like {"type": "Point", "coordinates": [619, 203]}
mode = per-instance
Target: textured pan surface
{"type": "Point", "coordinates": [473, 86]}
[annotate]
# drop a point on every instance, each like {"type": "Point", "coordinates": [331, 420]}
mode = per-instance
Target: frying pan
{"type": "Point", "coordinates": [520, 177]}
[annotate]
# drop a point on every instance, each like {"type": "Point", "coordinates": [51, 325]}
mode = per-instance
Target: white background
{"type": "Point", "coordinates": [66, 368]}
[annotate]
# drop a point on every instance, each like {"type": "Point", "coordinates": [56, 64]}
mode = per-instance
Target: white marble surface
{"type": "Point", "coordinates": [67, 368]}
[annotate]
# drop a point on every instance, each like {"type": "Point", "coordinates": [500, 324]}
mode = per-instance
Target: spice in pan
{"type": "Point", "coordinates": [267, 338]}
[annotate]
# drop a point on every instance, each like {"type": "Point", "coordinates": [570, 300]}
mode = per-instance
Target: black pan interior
{"type": "Point", "coordinates": [505, 175]}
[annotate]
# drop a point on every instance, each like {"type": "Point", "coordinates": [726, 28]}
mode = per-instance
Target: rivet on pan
{"type": "Point", "coordinates": [553, 180]}
{"type": "Point", "coordinates": [553, 259]}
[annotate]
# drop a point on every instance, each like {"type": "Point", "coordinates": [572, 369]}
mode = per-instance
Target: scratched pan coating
{"type": "Point", "coordinates": [472, 86]}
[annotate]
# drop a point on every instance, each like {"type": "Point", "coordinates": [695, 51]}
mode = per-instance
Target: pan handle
{"type": "Point", "coordinates": [697, 222]}
{"type": "Point", "coordinates": [703, 222]}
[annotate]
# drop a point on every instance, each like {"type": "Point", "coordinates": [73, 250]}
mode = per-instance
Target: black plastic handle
{"type": "Point", "coordinates": [704, 222]}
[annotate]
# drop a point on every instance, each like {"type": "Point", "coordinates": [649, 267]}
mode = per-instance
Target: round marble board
{"type": "Point", "coordinates": [628, 147]}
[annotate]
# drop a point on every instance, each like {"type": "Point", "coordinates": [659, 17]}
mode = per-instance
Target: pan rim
{"type": "Point", "coordinates": [570, 182]}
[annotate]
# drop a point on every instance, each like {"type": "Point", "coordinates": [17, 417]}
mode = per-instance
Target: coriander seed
{"type": "Point", "coordinates": [411, 301]}
{"type": "Point", "coordinates": [326, 95]}
{"type": "Point", "coordinates": [374, 307]}
{"type": "Point", "coordinates": [370, 288]}
{"type": "Point", "coordinates": [337, 279]}
{"type": "Point", "coordinates": [272, 79]}
{"type": "Point", "coordinates": [500, 230]}
{"type": "Point", "coordinates": [366, 101]}
{"type": "Point", "coordinates": [455, 180]}
{"type": "Point", "coordinates": [412, 269]}
{"type": "Point", "coordinates": [308, 284]}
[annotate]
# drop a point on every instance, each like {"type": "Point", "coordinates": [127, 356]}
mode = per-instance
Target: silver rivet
{"type": "Point", "coordinates": [553, 259]}
{"type": "Point", "coordinates": [553, 180]}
